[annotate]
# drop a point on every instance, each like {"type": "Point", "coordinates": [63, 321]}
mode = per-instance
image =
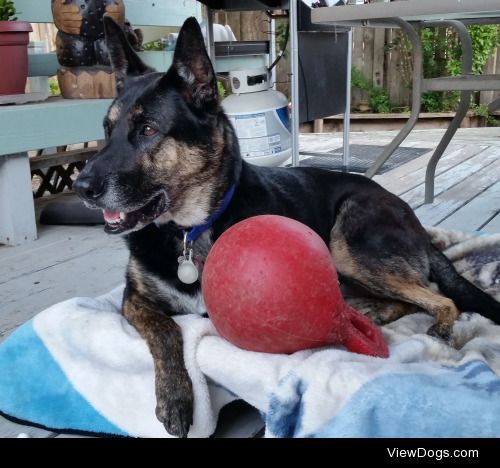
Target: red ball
{"type": "Point", "coordinates": [270, 285]}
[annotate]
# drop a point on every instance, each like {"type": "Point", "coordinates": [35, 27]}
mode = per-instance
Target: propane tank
{"type": "Point", "coordinates": [260, 117]}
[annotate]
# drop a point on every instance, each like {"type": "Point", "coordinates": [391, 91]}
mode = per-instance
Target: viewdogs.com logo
{"type": "Point", "coordinates": [437, 454]}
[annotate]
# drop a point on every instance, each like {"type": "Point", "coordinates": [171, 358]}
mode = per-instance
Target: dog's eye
{"type": "Point", "coordinates": [148, 131]}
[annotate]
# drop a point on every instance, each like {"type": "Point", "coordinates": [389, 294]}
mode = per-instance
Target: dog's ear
{"type": "Point", "coordinates": [193, 66]}
{"type": "Point", "coordinates": [124, 60]}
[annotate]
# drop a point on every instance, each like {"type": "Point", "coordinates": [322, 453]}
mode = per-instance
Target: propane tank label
{"type": "Point", "coordinates": [253, 147]}
{"type": "Point", "coordinates": [261, 134]}
{"type": "Point", "coordinates": [250, 126]}
{"type": "Point", "coordinates": [252, 131]}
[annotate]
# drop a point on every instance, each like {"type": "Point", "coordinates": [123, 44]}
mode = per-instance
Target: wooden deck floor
{"type": "Point", "coordinates": [467, 184]}
{"type": "Point", "coordinates": [82, 261]}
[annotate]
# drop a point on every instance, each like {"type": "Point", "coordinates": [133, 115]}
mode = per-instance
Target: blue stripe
{"type": "Point", "coordinates": [284, 117]}
{"type": "Point", "coordinates": [460, 402]}
{"type": "Point", "coordinates": [33, 388]}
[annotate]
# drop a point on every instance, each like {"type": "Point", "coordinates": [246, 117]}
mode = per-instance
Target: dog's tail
{"type": "Point", "coordinates": [466, 296]}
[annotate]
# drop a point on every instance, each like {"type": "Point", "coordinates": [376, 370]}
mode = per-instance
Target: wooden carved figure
{"type": "Point", "coordinates": [85, 71]}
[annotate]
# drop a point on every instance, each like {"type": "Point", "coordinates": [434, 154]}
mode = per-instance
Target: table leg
{"type": "Point", "coordinates": [294, 78]}
{"type": "Point", "coordinates": [17, 210]}
{"type": "Point", "coordinates": [462, 108]}
{"type": "Point", "coordinates": [493, 106]}
{"type": "Point", "coordinates": [416, 96]}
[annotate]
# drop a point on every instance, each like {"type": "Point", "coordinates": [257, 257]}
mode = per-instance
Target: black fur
{"type": "Point", "coordinates": [172, 154]}
{"type": "Point", "coordinates": [464, 293]}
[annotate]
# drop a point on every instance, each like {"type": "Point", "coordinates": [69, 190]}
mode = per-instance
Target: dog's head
{"type": "Point", "coordinates": [166, 138]}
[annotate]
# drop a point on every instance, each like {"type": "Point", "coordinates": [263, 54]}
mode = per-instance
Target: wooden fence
{"type": "Point", "coordinates": [390, 69]}
{"type": "Point", "coordinates": [385, 66]}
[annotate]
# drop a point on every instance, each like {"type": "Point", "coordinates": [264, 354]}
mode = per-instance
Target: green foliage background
{"type": "Point", "coordinates": [442, 57]}
{"type": "Point", "coordinates": [7, 10]}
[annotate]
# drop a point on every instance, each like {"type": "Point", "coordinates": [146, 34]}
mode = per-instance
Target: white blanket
{"type": "Point", "coordinates": [80, 366]}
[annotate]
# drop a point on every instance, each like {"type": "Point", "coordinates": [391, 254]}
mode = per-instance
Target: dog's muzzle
{"type": "Point", "coordinates": [89, 188]}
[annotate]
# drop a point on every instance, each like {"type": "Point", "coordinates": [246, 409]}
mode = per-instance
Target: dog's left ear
{"type": "Point", "coordinates": [193, 66]}
{"type": "Point", "coordinates": [124, 60]}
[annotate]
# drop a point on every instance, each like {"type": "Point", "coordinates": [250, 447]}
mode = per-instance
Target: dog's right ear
{"type": "Point", "coordinates": [124, 60]}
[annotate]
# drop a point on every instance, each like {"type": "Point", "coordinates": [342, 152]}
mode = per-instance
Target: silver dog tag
{"type": "Point", "coordinates": [187, 271]}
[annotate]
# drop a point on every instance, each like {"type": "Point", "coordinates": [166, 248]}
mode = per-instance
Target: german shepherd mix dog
{"type": "Point", "coordinates": [172, 165]}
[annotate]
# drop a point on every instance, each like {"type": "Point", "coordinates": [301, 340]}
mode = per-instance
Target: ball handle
{"type": "Point", "coordinates": [362, 336]}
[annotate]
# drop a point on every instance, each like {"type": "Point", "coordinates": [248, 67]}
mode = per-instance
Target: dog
{"type": "Point", "coordinates": [171, 167]}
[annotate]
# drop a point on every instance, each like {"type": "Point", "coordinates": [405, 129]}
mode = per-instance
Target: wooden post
{"type": "Point", "coordinates": [253, 27]}
{"type": "Point", "coordinates": [492, 67]}
{"type": "Point", "coordinates": [378, 56]}
{"type": "Point", "coordinates": [232, 19]}
{"type": "Point", "coordinates": [17, 210]}
{"type": "Point", "coordinates": [318, 126]}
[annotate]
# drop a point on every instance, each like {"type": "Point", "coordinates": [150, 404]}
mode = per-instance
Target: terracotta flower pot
{"type": "Point", "coordinates": [14, 38]}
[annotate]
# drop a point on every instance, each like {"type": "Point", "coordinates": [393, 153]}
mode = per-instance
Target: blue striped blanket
{"type": "Point", "coordinates": [80, 366]}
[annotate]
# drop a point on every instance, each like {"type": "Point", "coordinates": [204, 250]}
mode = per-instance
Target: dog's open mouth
{"type": "Point", "coordinates": [119, 222]}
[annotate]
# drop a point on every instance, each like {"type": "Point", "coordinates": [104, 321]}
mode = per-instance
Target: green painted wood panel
{"type": "Point", "coordinates": [51, 123]}
{"type": "Point", "coordinates": [47, 65]}
{"type": "Point", "coordinates": [160, 61]}
{"type": "Point", "coordinates": [42, 64]}
{"type": "Point", "coordinates": [139, 12]}
{"type": "Point", "coordinates": [64, 121]}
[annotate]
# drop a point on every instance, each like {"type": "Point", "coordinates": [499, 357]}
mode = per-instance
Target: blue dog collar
{"type": "Point", "coordinates": [196, 231]}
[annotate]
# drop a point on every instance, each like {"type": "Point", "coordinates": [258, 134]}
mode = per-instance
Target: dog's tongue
{"type": "Point", "coordinates": [111, 216]}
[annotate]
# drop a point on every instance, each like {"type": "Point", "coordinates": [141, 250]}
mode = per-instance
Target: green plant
{"type": "Point", "coordinates": [485, 39]}
{"type": "Point", "coordinates": [221, 89]}
{"type": "Point", "coordinates": [442, 53]}
{"type": "Point", "coordinates": [482, 111]}
{"type": "Point", "coordinates": [281, 36]}
{"type": "Point", "coordinates": [54, 87]}
{"type": "Point", "coordinates": [378, 99]}
{"type": "Point", "coordinates": [7, 10]}
{"type": "Point", "coordinates": [435, 101]}
{"type": "Point", "coordinates": [154, 45]}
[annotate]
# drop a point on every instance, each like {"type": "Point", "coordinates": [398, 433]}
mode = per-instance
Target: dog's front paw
{"type": "Point", "coordinates": [176, 414]}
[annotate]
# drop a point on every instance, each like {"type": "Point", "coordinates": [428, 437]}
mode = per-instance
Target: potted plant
{"type": "Point", "coordinates": [14, 38]}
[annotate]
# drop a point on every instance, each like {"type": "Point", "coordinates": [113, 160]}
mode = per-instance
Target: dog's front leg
{"type": "Point", "coordinates": [174, 391]}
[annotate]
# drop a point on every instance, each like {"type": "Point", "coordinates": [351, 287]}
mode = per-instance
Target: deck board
{"type": "Point", "coordinates": [448, 179]}
{"type": "Point", "coordinates": [449, 202]}
{"type": "Point", "coordinates": [477, 213]}
{"type": "Point", "coordinates": [82, 261]}
{"type": "Point", "coordinates": [9, 429]}
{"type": "Point", "coordinates": [493, 225]}
{"type": "Point", "coordinates": [411, 175]}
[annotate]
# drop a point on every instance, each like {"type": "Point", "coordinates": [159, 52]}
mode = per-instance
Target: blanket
{"type": "Point", "coordinates": [80, 366]}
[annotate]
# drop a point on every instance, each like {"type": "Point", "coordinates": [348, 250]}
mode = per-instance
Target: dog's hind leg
{"type": "Point", "coordinates": [394, 278]}
{"type": "Point", "coordinates": [381, 311]}
{"type": "Point", "coordinates": [442, 308]}
{"type": "Point", "coordinates": [174, 393]}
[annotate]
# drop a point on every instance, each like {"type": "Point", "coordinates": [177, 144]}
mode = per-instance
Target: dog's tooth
{"type": "Point", "coordinates": [122, 216]}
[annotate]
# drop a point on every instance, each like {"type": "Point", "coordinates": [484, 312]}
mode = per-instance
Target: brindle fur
{"type": "Point", "coordinates": [179, 173]}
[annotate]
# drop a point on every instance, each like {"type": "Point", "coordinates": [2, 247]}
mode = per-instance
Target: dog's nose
{"type": "Point", "coordinates": [90, 188]}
